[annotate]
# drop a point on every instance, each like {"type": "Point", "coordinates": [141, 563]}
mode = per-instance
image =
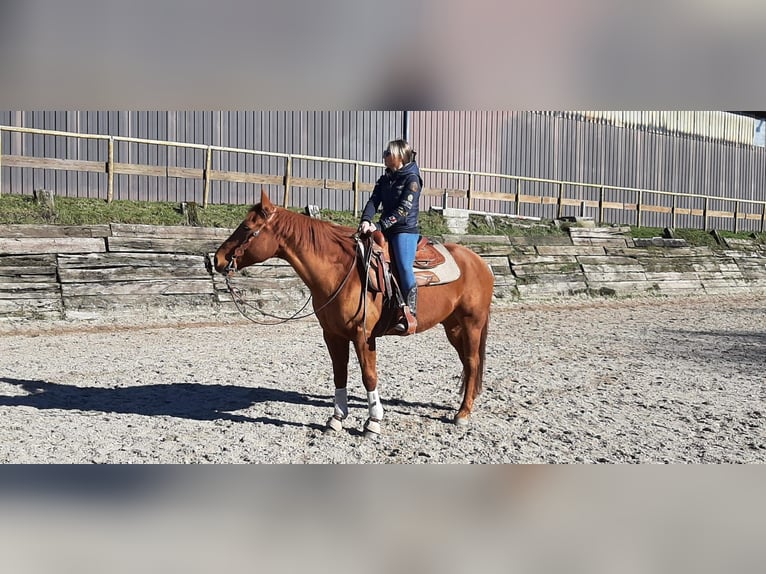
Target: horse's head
{"type": "Point", "coordinates": [252, 242]}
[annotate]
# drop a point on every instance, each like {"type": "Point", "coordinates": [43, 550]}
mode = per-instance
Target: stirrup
{"type": "Point", "coordinates": [406, 325]}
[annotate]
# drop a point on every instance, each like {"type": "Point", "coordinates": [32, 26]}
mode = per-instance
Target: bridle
{"type": "Point", "coordinates": [241, 304]}
{"type": "Point", "coordinates": [231, 268]}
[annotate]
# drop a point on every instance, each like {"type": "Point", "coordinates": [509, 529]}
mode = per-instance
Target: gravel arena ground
{"type": "Point", "coordinates": [633, 381]}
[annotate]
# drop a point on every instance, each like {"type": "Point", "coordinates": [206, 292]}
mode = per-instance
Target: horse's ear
{"type": "Point", "coordinates": [266, 204]}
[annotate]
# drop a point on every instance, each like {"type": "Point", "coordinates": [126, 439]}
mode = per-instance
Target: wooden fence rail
{"type": "Point", "coordinates": [470, 194]}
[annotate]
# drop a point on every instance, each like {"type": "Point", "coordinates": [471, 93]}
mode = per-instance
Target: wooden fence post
{"type": "Point", "coordinates": [601, 205]}
{"type": "Point", "coordinates": [110, 172]}
{"type": "Point", "coordinates": [206, 176]}
{"type": "Point", "coordinates": [673, 211]}
{"type": "Point", "coordinates": [356, 190]}
{"type": "Point", "coordinates": [470, 189]}
{"type": "Point", "coordinates": [288, 177]}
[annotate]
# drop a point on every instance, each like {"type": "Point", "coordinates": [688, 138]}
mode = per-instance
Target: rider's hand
{"type": "Point", "coordinates": [366, 228]}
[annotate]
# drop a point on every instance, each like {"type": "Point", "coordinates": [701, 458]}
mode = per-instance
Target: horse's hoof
{"type": "Point", "coordinates": [333, 425]}
{"type": "Point", "coordinates": [462, 420]}
{"type": "Point", "coordinates": [371, 428]}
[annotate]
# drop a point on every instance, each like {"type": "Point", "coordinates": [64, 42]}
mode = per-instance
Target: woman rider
{"type": "Point", "coordinates": [398, 190]}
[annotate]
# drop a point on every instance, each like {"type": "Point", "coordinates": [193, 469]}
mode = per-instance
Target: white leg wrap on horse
{"type": "Point", "coordinates": [376, 408]}
{"type": "Point", "coordinates": [341, 403]}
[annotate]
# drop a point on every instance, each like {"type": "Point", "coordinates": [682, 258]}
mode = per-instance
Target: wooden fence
{"type": "Point", "coordinates": [646, 200]}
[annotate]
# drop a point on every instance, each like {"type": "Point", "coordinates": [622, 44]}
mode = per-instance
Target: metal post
{"type": "Point", "coordinates": [763, 217]}
{"type": "Point", "coordinates": [518, 193]}
{"type": "Point", "coordinates": [288, 177]}
{"type": "Point", "coordinates": [206, 175]}
{"type": "Point", "coordinates": [736, 216]}
{"type": "Point", "coordinates": [406, 126]}
{"type": "Point", "coordinates": [1, 162]}
{"type": "Point", "coordinates": [110, 172]}
{"type": "Point", "coordinates": [638, 209]}
{"type": "Point", "coordinates": [561, 197]}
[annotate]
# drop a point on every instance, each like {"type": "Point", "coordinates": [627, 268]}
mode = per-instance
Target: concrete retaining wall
{"type": "Point", "coordinates": [96, 272]}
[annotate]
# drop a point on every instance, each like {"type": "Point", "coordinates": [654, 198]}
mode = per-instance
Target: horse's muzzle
{"type": "Point", "coordinates": [224, 266]}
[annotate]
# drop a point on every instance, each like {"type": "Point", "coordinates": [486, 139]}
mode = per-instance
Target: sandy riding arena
{"type": "Point", "coordinates": [642, 381]}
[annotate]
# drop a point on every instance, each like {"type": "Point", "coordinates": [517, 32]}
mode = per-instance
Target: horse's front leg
{"type": "Point", "coordinates": [338, 347]}
{"type": "Point", "coordinates": [366, 352]}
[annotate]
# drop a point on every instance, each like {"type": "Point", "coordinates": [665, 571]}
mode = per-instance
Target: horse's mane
{"type": "Point", "coordinates": [321, 236]}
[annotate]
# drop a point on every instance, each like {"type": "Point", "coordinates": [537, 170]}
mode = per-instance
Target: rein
{"type": "Point", "coordinates": [241, 304]}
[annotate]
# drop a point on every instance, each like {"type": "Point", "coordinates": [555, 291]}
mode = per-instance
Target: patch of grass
{"type": "Point", "coordinates": [645, 232]}
{"type": "Point", "coordinates": [19, 209]}
{"type": "Point", "coordinates": [227, 216]}
{"type": "Point", "coordinates": [479, 225]}
{"type": "Point", "coordinates": [697, 237]}
{"type": "Point", "coordinates": [16, 209]}
{"type": "Point", "coordinates": [431, 224]}
{"type": "Point", "coordinates": [340, 217]}
{"type": "Point", "coordinates": [753, 236]}
{"type": "Point", "coordinates": [23, 209]}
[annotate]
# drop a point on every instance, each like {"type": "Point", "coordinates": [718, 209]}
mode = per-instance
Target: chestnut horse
{"type": "Point", "coordinates": [323, 255]}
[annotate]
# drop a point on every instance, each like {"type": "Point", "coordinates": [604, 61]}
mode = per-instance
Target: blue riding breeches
{"type": "Point", "coordinates": [403, 248]}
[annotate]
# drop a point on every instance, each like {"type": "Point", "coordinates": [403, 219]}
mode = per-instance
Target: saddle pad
{"type": "Point", "coordinates": [445, 272]}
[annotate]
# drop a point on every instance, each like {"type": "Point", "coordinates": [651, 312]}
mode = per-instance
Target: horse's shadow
{"type": "Point", "coordinates": [183, 400]}
{"type": "Point", "coordinates": [194, 401]}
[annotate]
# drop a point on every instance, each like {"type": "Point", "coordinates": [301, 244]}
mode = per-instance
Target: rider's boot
{"type": "Point", "coordinates": [408, 323]}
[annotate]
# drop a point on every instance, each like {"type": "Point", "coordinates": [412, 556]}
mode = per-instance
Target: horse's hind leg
{"type": "Point", "coordinates": [339, 353]}
{"type": "Point", "coordinates": [468, 336]}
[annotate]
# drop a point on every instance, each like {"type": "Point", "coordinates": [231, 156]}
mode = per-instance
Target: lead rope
{"type": "Point", "coordinates": [241, 304]}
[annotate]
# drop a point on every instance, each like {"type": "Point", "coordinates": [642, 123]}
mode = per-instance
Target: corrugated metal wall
{"type": "Point", "coordinates": [610, 150]}
{"type": "Point", "coordinates": [684, 152]}
{"type": "Point", "coordinates": [351, 135]}
{"type": "Point", "coordinates": [714, 125]}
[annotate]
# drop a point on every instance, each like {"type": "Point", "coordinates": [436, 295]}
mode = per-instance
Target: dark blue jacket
{"type": "Point", "coordinates": [399, 193]}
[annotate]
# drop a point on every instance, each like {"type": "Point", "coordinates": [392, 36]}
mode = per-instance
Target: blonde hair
{"type": "Point", "coordinates": [400, 149]}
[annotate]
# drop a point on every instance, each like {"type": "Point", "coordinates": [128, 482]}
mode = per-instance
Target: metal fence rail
{"type": "Point", "coordinates": [567, 197]}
